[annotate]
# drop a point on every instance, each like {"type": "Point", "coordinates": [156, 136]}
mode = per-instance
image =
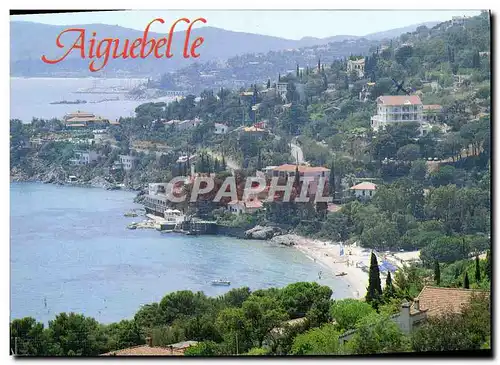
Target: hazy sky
{"type": "Point", "coordinates": [281, 23]}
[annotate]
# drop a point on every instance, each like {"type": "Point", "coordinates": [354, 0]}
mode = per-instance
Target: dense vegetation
{"type": "Point", "coordinates": [255, 323]}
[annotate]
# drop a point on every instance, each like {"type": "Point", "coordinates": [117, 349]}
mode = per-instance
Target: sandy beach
{"type": "Point", "coordinates": [327, 254]}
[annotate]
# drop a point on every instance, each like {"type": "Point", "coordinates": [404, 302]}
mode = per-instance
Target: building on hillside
{"type": "Point", "coordinates": [281, 89]}
{"type": "Point", "coordinates": [393, 109]}
{"type": "Point", "coordinates": [220, 128]}
{"type": "Point", "coordinates": [128, 162]}
{"type": "Point", "coordinates": [83, 119]}
{"type": "Point", "coordinates": [176, 349]}
{"type": "Point", "coordinates": [244, 207]}
{"type": "Point", "coordinates": [181, 125]}
{"type": "Point", "coordinates": [364, 190]}
{"type": "Point", "coordinates": [431, 302]}
{"type": "Point", "coordinates": [432, 113]}
{"type": "Point", "coordinates": [287, 171]}
{"type": "Point", "coordinates": [84, 157]}
{"type": "Point", "coordinates": [356, 65]}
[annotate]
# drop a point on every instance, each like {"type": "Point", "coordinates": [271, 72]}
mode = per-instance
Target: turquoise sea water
{"type": "Point", "coordinates": [70, 246]}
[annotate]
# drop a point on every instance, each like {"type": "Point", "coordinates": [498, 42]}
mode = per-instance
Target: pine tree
{"type": "Point", "coordinates": [389, 288]}
{"type": "Point", "coordinates": [296, 182]}
{"type": "Point", "coordinates": [466, 281]}
{"type": "Point", "coordinates": [477, 275]}
{"type": "Point", "coordinates": [488, 265]}
{"type": "Point", "coordinates": [437, 273]}
{"type": "Point", "coordinates": [374, 289]}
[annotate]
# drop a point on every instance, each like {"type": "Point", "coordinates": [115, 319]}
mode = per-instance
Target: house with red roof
{"type": "Point", "coordinates": [364, 190]}
{"type": "Point", "coordinates": [286, 171]}
{"type": "Point", "coordinates": [249, 206]}
{"type": "Point", "coordinates": [392, 109]}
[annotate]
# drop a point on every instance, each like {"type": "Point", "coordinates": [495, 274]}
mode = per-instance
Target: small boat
{"type": "Point", "coordinates": [132, 226]}
{"type": "Point", "coordinates": [221, 282]}
{"type": "Point", "coordinates": [341, 274]}
{"type": "Point", "coordinates": [130, 214]}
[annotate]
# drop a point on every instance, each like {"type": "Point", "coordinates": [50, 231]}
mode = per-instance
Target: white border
{"type": "Point", "coordinates": [192, 5]}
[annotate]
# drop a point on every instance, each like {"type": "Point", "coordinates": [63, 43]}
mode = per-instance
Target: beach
{"type": "Point", "coordinates": [352, 260]}
{"type": "Point", "coordinates": [328, 255]}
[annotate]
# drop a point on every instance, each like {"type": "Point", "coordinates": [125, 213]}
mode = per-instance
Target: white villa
{"type": "Point", "coordinates": [393, 109]}
{"type": "Point", "coordinates": [281, 89]}
{"type": "Point", "coordinates": [356, 65]}
{"type": "Point", "coordinates": [364, 190]}
{"type": "Point", "coordinates": [84, 157]}
{"type": "Point", "coordinates": [220, 128]}
{"type": "Point", "coordinates": [128, 162]}
{"type": "Point", "coordinates": [245, 207]}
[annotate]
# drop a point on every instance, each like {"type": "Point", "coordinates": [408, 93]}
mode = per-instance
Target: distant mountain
{"type": "Point", "coordinates": [393, 33]}
{"type": "Point", "coordinates": [29, 41]}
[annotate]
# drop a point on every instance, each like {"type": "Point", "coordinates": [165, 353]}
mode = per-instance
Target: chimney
{"type": "Point", "coordinates": [416, 304]}
{"type": "Point", "coordinates": [149, 341]}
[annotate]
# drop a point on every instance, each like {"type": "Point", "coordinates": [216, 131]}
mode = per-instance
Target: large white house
{"type": "Point", "coordinates": [392, 109]}
{"type": "Point", "coordinates": [221, 128]}
{"type": "Point", "coordinates": [84, 157]}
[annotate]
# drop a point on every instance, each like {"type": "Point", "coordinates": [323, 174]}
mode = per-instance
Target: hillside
{"type": "Point", "coordinates": [25, 54]}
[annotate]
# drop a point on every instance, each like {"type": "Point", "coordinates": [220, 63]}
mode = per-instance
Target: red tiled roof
{"type": "Point", "coordinates": [253, 204]}
{"type": "Point", "coordinates": [364, 186]}
{"type": "Point", "coordinates": [302, 168]}
{"type": "Point", "coordinates": [438, 301]}
{"type": "Point", "coordinates": [399, 99]}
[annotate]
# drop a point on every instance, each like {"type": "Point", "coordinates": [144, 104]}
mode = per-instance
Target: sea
{"type": "Point", "coordinates": [71, 251]}
{"type": "Point", "coordinates": [31, 97]}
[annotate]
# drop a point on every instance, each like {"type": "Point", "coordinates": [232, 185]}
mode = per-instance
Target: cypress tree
{"type": "Point", "coordinates": [279, 77]}
{"type": "Point", "coordinates": [296, 182]}
{"type": "Point", "coordinates": [389, 288]}
{"type": "Point", "coordinates": [477, 275]}
{"type": "Point", "coordinates": [466, 281]}
{"type": "Point", "coordinates": [488, 265]}
{"type": "Point", "coordinates": [298, 71]}
{"type": "Point", "coordinates": [437, 273]}
{"type": "Point", "coordinates": [268, 83]}
{"type": "Point", "coordinates": [319, 64]}
{"type": "Point", "coordinates": [223, 163]}
{"type": "Point", "coordinates": [374, 289]}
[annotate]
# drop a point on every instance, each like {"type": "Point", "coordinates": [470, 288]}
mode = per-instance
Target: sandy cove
{"type": "Point", "coordinates": [327, 254]}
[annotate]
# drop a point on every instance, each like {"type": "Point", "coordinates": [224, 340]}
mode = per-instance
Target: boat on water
{"type": "Point", "coordinates": [220, 282]}
{"type": "Point", "coordinates": [341, 274]}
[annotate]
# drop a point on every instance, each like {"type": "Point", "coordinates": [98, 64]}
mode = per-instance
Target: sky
{"type": "Point", "coordinates": [280, 23]}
